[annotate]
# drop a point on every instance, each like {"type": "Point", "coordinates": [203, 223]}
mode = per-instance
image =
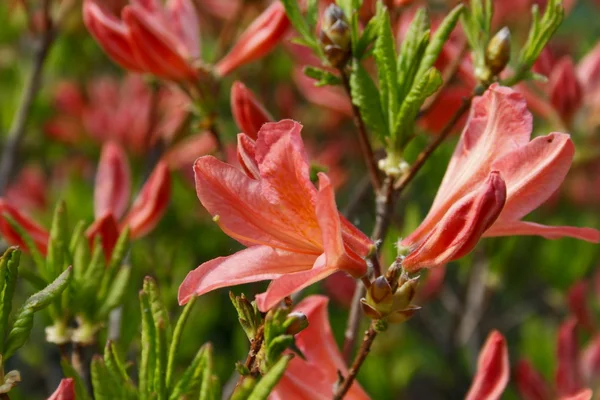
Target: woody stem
{"type": "Point", "coordinates": [363, 137]}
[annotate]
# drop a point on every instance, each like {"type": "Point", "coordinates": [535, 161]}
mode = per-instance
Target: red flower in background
{"type": "Point", "coordinates": [315, 377]}
{"type": "Point", "coordinates": [294, 233]}
{"type": "Point", "coordinates": [64, 391]}
{"type": "Point", "coordinates": [123, 112]}
{"type": "Point", "coordinates": [494, 151]}
{"type": "Point", "coordinates": [493, 370]}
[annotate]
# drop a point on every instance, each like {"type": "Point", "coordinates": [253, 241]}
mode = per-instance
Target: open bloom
{"type": "Point", "coordinates": [294, 233]}
{"type": "Point", "coordinates": [315, 377]}
{"type": "Point", "coordinates": [494, 152]}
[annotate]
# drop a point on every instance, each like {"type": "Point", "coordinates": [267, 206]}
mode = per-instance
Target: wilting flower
{"type": "Point", "coordinates": [111, 198]}
{"type": "Point", "coordinates": [496, 176]}
{"type": "Point", "coordinates": [294, 233]}
{"type": "Point", "coordinates": [125, 112]}
{"type": "Point", "coordinates": [165, 40]}
{"type": "Point", "coordinates": [315, 377]}
{"type": "Point", "coordinates": [493, 370]}
{"type": "Point", "coordinates": [64, 391]}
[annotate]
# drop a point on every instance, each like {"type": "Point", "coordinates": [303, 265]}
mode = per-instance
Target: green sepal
{"type": "Point", "coordinates": [322, 77]}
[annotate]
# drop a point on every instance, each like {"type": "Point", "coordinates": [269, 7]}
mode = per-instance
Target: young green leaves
{"type": "Point", "coordinates": [405, 79]}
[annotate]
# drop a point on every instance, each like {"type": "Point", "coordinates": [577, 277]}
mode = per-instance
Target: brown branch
{"type": "Point", "coordinates": [30, 91]}
{"type": "Point", "coordinates": [365, 348]}
{"type": "Point", "coordinates": [403, 182]}
{"type": "Point", "coordinates": [251, 358]}
{"type": "Point", "coordinates": [363, 137]}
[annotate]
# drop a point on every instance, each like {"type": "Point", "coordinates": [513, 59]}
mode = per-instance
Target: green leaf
{"type": "Point", "coordinates": [365, 96]}
{"type": "Point", "coordinates": [174, 346]}
{"type": "Point", "coordinates": [210, 389]}
{"type": "Point", "coordinates": [86, 291]}
{"type": "Point", "coordinates": [277, 346]}
{"type": "Point", "coordinates": [116, 367]}
{"type": "Point", "coordinates": [105, 386]}
{"type": "Point", "coordinates": [9, 272]}
{"type": "Point", "coordinates": [264, 387]}
{"type": "Point", "coordinates": [81, 392]}
{"type": "Point", "coordinates": [411, 52]}
{"type": "Point", "coordinates": [292, 9]}
{"type": "Point", "coordinates": [385, 58]}
{"type": "Point", "coordinates": [312, 12]}
{"type": "Point", "coordinates": [439, 38]}
{"type": "Point", "coordinates": [24, 319]}
{"type": "Point", "coordinates": [244, 390]}
{"type": "Point", "coordinates": [422, 89]}
{"type": "Point", "coordinates": [368, 36]}
{"type": "Point", "coordinates": [57, 244]}
{"type": "Point", "coordinates": [192, 377]}
{"type": "Point", "coordinates": [115, 294]}
{"type": "Point", "coordinates": [322, 76]}
{"type": "Point", "coordinates": [148, 356]}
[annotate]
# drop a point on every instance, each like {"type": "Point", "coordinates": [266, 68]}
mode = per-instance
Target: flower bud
{"type": "Point", "coordinates": [405, 294]}
{"type": "Point", "coordinates": [400, 316]}
{"type": "Point", "coordinates": [335, 36]}
{"type": "Point", "coordinates": [497, 53]}
{"type": "Point", "coordinates": [296, 322]}
{"type": "Point", "coordinates": [369, 311]}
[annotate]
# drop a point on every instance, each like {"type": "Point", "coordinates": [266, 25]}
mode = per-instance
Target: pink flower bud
{"type": "Point", "coordinates": [113, 182]}
{"type": "Point", "coordinates": [248, 113]}
{"type": "Point", "coordinates": [567, 376]}
{"type": "Point", "coordinates": [564, 89]}
{"type": "Point", "coordinates": [64, 391]}
{"type": "Point", "coordinates": [38, 234]}
{"type": "Point", "coordinates": [530, 383]}
{"type": "Point", "coordinates": [577, 301]}
{"type": "Point", "coordinates": [258, 39]}
{"type": "Point", "coordinates": [493, 370]}
{"type": "Point", "coordinates": [151, 203]}
{"type": "Point", "coordinates": [107, 228]}
{"type": "Point", "coordinates": [459, 230]}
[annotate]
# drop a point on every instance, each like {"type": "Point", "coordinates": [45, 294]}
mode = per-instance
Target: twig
{"type": "Point", "coordinates": [365, 348]}
{"type": "Point", "coordinates": [254, 349]}
{"type": "Point", "coordinates": [447, 76]}
{"type": "Point", "coordinates": [403, 182]}
{"type": "Point", "coordinates": [353, 322]}
{"type": "Point", "coordinates": [30, 91]}
{"type": "Point", "coordinates": [363, 137]}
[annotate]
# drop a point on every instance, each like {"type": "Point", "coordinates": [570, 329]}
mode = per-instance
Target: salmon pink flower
{"type": "Point", "coordinates": [149, 37]}
{"type": "Point", "coordinates": [494, 151]}
{"type": "Point", "coordinates": [315, 377]}
{"type": "Point", "coordinates": [111, 197]}
{"type": "Point", "coordinates": [257, 40]}
{"type": "Point", "coordinates": [248, 113]}
{"type": "Point", "coordinates": [38, 234]}
{"type": "Point", "coordinates": [493, 370]}
{"type": "Point", "coordinates": [64, 391]}
{"type": "Point", "coordinates": [294, 233]}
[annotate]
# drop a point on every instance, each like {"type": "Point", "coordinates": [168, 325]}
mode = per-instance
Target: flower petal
{"type": "Point", "coordinates": [249, 114]}
{"type": "Point", "coordinates": [567, 374]}
{"type": "Point", "coordinates": [111, 34]}
{"type": "Point", "coordinates": [578, 305]}
{"type": "Point", "coordinates": [564, 89]}
{"type": "Point", "coordinates": [107, 229]}
{"type": "Point", "coordinates": [492, 370]}
{"type": "Point", "coordinates": [533, 173]}
{"type": "Point", "coordinates": [583, 394]}
{"type": "Point", "coordinates": [38, 234]}
{"type": "Point", "coordinates": [291, 283]}
{"type": "Point", "coordinates": [499, 123]}
{"type": "Point", "coordinates": [526, 228]}
{"type": "Point", "coordinates": [183, 154]}
{"type": "Point", "coordinates": [460, 229]}
{"type": "Point", "coordinates": [256, 263]}
{"type": "Point", "coordinates": [590, 360]}
{"type": "Point", "coordinates": [588, 69]}
{"type": "Point", "coordinates": [530, 383]}
{"type": "Point", "coordinates": [113, 182]}
{"type": "Point", "coordinates": [244, 213]}
{"type": "Point", "coordinates": [257, 40]}
{"type": "Point", "coordinates": [64, 391]}
{"type": "Point", "coordinates": [183, 21]}
{"type": "Point", "coordinates": [328, 217]}
{"type": "Point", "coordinates": [151, 202]}
{"type": "Point", "coordinates": [246, 154]}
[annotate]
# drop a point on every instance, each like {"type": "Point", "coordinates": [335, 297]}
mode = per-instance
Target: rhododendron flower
{"type": "Point", "coordinates": [248, 113]}
{"type": "Point", "coordinates": [38, 234]}
{"type": "Point", "coordinates": [294, 233]}
{"type": "Point", "coordinates": [258, 39]}
{"type": "Point", "coordinates": [126, 112]}
{"type": "Point", "coordinates": [111, 198]}
{"type": "Point", "coordinates": [493, 370]}
{"type": "Point", "coordinates": [149, 37]}
{"type": "Point", "coordinates": [494, 151]}
{"type": "Point", "coordinates": [64, 391]}
{"type": "Point", "coordinates": [315, 377]}
{"type": "Point", "coordinates": [29, 189]}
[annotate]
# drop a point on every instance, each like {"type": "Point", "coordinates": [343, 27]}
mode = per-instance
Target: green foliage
{"type": "Point", "coordinates": [366, 97]}
{"type": "Point", "coordinates": [322, 77]}
{"type": "Point", "coordinates": [248, 315]}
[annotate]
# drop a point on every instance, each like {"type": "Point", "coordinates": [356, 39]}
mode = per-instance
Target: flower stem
{"type": "Point", "coordinates": [363, 137]}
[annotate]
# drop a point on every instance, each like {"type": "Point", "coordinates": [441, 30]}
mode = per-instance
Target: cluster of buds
{"type": "Point", "coordinates": [335, 36]}
{"type": "Point", "coordinates": [497, 55]}
{"type": "Point", "coordinates": [389, 297]}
